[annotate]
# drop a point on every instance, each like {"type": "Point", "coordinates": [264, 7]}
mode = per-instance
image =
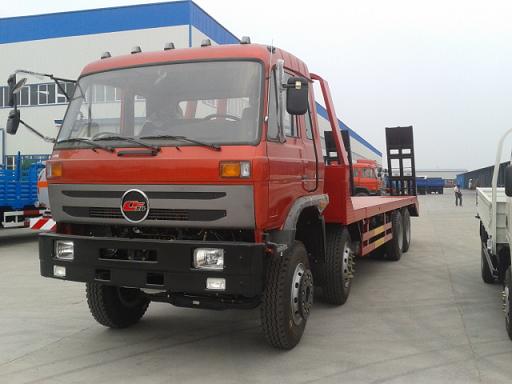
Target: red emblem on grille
{"type": "Point", "coordinates": [134, 206]}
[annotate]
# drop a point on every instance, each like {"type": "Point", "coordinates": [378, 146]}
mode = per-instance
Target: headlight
{"type": "Point", "coordinates": [209, 258]}
{"type": "Point", "coordinates": [64, 250]}
{"type": "Point", "coordinates": [216, 284]}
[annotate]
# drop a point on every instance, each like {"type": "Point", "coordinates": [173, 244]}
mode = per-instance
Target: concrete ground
{"type": "Point", "coordinates": [425, 319]}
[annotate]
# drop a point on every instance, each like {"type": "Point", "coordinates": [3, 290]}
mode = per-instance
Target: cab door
{"type": "Point", "coordinates": [309, 158]}
{"type": "Point", "coordinates": [285, 160]}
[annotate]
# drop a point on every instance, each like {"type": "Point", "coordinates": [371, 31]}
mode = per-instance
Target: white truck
{"type": "Point", "coordinates": [494, 209]}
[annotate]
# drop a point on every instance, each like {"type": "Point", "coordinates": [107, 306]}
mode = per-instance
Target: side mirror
{"type": "Point", "coordinates": [508, 180]}
{"type": "Point", "coordinates": [297, 96]}
{"type": "Point", "coordinates": [11, 83]}
{"type": "Point", "coordinates": [14, 88]}
{"type": "Point", "coordinates": [13, 122]}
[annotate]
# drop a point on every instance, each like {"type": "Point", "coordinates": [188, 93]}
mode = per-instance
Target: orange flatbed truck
{"type": "Point", "coordinates": [366, 179]}
{"type": "Point", "coordinates": [202, 184]}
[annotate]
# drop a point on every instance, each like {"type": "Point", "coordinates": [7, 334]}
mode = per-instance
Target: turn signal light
{"type": "Point", "coordinates": [235, 169]}
{"type": "Point", "coordinates": [53, 169]}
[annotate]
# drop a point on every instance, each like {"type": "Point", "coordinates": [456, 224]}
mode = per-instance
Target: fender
{"type": "Point", "coordinates": [284, 237]}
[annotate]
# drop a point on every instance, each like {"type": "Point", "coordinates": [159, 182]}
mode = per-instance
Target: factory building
{"type": "Point", "coordinates": [62, 43]}
{"type": "Point", "coordinates": [482, 177]}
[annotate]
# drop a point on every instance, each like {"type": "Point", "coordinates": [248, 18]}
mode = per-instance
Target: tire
{"type": "Point", "coordinates": [287, 297]}
{"type": "Point", "coordinates": [507, 297]}
{"type": "Point", "coordinates": [338, 269]}
{"type": "Point", "coordinates": [394, 246]}
{"type": "Point", "coordinates": [362, 193]}
{"type": "Point", "coordinates": [406, 226]}
{"type": "Point", "coordinates": [487, 276]}
{"type": "Point", "coordinates": [115, 307]}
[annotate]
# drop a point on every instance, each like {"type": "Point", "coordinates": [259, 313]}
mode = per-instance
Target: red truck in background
{"type": "Point", "coordinates": [203, 185]}
{"type": "Point", "coordinates": [366, 178]}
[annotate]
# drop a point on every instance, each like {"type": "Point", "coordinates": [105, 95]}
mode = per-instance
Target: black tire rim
{"type": "Point", "coordinates": [306, 294]}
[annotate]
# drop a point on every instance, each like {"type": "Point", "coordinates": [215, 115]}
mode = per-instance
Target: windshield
{"type": "Point", "coordinates": [211, 102]}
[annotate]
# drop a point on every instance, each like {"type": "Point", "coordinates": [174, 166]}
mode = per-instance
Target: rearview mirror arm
{"type": "Point", "coordinates": [33, 130]}
{"type": "Point", "coordinates": [56, 79]}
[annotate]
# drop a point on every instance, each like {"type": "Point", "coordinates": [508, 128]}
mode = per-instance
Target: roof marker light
{"type": "Point", "coordinates": [245, 40]}
{"type": "Point", "coordinates": [206, 43]}
{"type": "Point", "coordinates": [105, 55]}
{"type": "Point", "coordinates": [135, 50]}
{"type": "Point", "coordinates": [168, 46]}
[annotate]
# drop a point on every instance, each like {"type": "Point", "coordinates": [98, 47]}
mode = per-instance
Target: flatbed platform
{"type": "Point", "coordinates": [484, 210]}
{"type": "Point", "coordinates": [368, 206]}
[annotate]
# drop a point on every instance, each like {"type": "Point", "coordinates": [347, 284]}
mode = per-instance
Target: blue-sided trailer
{"type": "Point", "coordinates": [428, 185]}
{"type": "Point", "coordinates": [18, 192]}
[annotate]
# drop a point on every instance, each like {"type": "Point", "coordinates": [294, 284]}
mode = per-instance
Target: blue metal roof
{"type": "Point", "coordinates": [322, 112]}
{"type": "Point", "coordinates": [115, 19]}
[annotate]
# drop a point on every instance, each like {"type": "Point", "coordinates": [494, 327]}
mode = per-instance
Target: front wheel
{"type": "Point", "coordinates": [507, 297]}
{"type": "Point", "coordinates": [116, 307]}
{"type": "Point", "coordinates": [287, 298]}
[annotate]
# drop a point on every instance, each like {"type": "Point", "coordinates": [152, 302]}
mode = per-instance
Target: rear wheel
{"type": "Point", "coordinates": [487, 276]}
{"type": "Point", "coordinates": [406, 226]}
{"type": "Point", "coordinates": [394, 246]}
{"type": "Point", "coordinates": [116, 307]}
{"type": "Point", "coordinates": [508, 301]}
{"type": "Point", "coordinates": [287, 298]}
{"type": "Point", "coordinates": [338, 269]}
{"type": "Point", "coordinates": [362, 193]}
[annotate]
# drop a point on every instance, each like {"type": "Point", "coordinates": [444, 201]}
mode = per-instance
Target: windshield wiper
{"type": "Point", "coordinates": [86, 141]}
{"type": "Point", "coordinates": [155, 148]}
{"type": "Point", "coordinates": [213, 147]}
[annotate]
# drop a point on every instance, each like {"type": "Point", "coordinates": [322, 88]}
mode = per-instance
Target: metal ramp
{"type": "Point", "coordinates": [331, 154]}
{"type": "Point", "coordinates": [401, 166]}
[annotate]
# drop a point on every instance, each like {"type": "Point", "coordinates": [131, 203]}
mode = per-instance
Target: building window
{"type": "Point", "coordinates": [48, 93]}
{"type": "Point", "coordinates": [10, 162]}
{"type": "Point", "coordinates": [34, 94]}
{"type": "Point", "coordinates": [68, 87]}
{"type": "Point", "coordinates": [99, 93]}
{"type": "Point", "coordinates": [42, 91]}
{"type": "Point", "coordinates": [24, 95]}
{"type": "Point", "coordinates": [110, 94]}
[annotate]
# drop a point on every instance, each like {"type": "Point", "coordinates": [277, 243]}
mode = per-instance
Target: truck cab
{"type": "Point", "coordinates": [366, 178]}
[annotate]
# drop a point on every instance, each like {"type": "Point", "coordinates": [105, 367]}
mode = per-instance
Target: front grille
{"type": "Point", "coordinates": [106, 213]}
{"type": "Point", "coordinates": [154, 213]}
{"type": "Point", "coordinates": [176, 195]}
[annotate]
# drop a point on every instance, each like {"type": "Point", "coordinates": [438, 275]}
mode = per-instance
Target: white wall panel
{"type": "Point", "coordinates": [66, 57]}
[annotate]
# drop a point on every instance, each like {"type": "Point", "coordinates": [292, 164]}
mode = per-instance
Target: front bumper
{"type": "Point", "coordinates": [170, 268]}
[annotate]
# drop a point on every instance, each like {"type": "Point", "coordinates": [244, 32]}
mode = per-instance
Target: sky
{"type": "Point", "coordinates": [444, 67]}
